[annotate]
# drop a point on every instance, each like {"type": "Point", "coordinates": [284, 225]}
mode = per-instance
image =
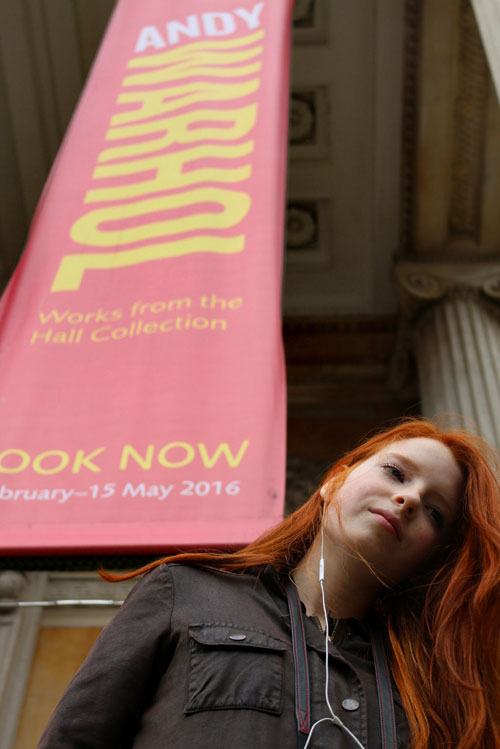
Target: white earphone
{"type": "Point", "coordinates": [333, 718]}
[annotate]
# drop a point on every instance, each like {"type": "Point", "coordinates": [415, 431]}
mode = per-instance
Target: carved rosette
{"type": "Point", "coordinates": [303, 118]}
{"type": "Point", "coordinates": [301, 225]}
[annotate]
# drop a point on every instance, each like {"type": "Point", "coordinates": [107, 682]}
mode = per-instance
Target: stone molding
{"type": "Point", "coordinates": [450, 132]}
{"type": "Point", "coordinates": [309, 325]}
{"type": "Point", "coordinates": [413, 23]}
{"type": "Point", "coordinates": [87, 585]}
{"type": "Point", "coordinates": [471, 102]}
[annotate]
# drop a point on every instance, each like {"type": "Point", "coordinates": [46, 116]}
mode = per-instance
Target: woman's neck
{"type": "Point", "coordinates": [350, 587]}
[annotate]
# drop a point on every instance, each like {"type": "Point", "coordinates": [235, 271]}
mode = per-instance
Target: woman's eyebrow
{"type": "Point", "coordinates": [408, 462]}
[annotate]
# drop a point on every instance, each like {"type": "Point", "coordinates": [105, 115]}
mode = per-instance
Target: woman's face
{"type": "Point", "coordinates": [399, 507]}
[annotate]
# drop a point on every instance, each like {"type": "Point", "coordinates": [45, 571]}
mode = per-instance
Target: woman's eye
{"type": "Point", "coordinates": [394, 471]}
{"type": "Point", "coordinates": [436, 515]}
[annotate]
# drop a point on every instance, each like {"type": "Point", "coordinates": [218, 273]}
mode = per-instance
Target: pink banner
{"type": "Point", "coordinates": [142, 383]}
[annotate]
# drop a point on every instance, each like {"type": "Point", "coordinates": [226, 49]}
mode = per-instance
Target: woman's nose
{"type": "Point", "coordinates": [409, 501]}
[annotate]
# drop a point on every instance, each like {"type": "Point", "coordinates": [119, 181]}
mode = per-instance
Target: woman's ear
{"type": "Point", "coordinates": [328, 489]}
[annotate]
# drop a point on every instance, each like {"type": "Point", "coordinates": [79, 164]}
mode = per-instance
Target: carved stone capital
{"type": "Point", "coordinates": [421, 283]}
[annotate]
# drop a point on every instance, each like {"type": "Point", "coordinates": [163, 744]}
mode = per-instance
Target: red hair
{"type": "Point", "coordinates": [442, 634]}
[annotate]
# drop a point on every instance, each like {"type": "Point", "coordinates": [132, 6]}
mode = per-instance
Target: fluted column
{"type": "Point", "coordinates": [488, 19]}
{"type": "Point", "coordinates": [451, 322]}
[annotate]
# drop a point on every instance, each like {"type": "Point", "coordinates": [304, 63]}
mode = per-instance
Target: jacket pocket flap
{"type": "Point", "coordinates": [231, 635]}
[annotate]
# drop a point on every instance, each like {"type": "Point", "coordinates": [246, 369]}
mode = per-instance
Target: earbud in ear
{"type": "Point", "coordinates": [325, 490]}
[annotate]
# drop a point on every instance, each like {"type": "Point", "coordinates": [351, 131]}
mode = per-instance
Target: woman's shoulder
{"type": "Point", "coordinates": [202, 572]}
{"type": "Point", "coordinates": [190, 592]}
{"type": "Point", "coordinates": [210, 591]}
{"type": "Point", "coordinates": [195, 574]}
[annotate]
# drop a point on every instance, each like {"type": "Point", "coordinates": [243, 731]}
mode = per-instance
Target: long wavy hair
{"type": "Point", "coordinates": [443, 631]}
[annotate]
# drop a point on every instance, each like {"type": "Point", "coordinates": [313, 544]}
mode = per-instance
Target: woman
{"type": "Point", "coordinates": [401, 544]}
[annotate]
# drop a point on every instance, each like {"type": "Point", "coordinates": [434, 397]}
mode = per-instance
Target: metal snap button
{"type": "Point", "coordinates": [350, 704]}
{"type": "Point", "coordinates": [237, 637]}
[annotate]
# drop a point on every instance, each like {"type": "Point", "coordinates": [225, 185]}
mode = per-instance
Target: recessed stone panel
{"type": "Point", "coordinates": [310, 21]}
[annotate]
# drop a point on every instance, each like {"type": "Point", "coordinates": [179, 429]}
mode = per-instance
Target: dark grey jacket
{"type": "Point", "coordinates": [172, 670]}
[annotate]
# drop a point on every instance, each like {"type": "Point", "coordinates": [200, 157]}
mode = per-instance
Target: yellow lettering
{"type": "Point", "coordinates": [235, 205]}
{"type": "Point", "coordinates": [85, 461]}
{"type": "Point", "coordinates": [222, 449]}
{"type": "Point", "coordinates": [72, 267]}
{"type": "Point", "coordinates": [60, 466]}
{"type": "Point", "coordinates": [153, 103]}
{"type": "Point", "coordinates": [54, 315]}
{"type": "Point", "coordinates": [25, 461]}
{"type": "Point", "coordinates": [150, 118]}
{"type": "Point", "coordinates": [95, 336]}
{"type": "Point", "coordinates": [236, 123]}
{"type": "Point", "coordinates": [130, 452]}
{"type": "Point", "coordinates": [162, 455]}
{"type": "Point", "coordinates": [200, 65]}
{"type": "Point", "coordinates": [170, 172]}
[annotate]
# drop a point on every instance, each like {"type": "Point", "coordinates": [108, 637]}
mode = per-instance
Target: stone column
{"type": "Point", "coordinates": [451, 321]}
{"type": "Point", "coordinates": [18, 637]}
{"type": "Point", "coordinates": [488, 19]}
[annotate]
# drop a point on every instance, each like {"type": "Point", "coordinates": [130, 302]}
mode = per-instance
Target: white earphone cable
{"type": "Point", "coordinates": [334, 718]}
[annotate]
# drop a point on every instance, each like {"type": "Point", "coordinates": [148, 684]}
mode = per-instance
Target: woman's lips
{"type": "Point", "coordinates": [390, 521]}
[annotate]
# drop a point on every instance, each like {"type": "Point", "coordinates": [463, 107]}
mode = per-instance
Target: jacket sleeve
{"type": "Point", "coordinates": [102, 707]}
